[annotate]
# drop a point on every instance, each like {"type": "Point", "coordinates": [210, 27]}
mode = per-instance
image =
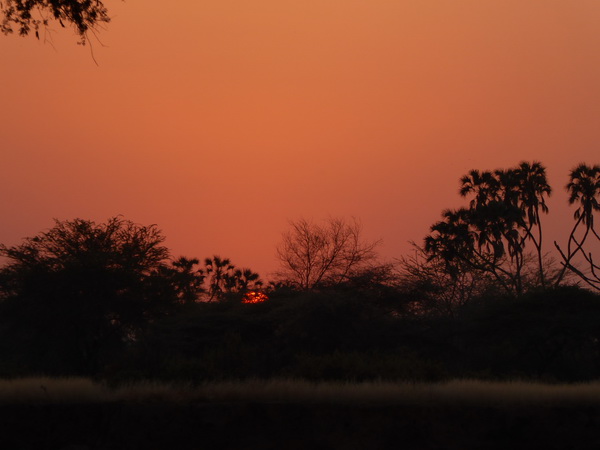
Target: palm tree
{"type": "Point", "coordinates": [483, 185]}
{"type": "Point", "coordinates": [532, 187]}
{"type": "Point", "coordinates": [584, 190]}
{"type": "Point", "coordinates": [243, 280]}
{"type": "Point", "coordinates": [504, 208]}
{"type": "Point", "coordinates": [509, 188]}
{"type": "Point", "coordinates": [187, 279]}
{"type": "Point", "coordinates": [451, 238]}
{"type": "Point", "coordinates": [225, 278]}
{"type": "Point", "coordinates": [468, 237]}
{"type": "Point", "coordinates": [496, 218]}
{"type": "Point", "coordinates": [217, 269]}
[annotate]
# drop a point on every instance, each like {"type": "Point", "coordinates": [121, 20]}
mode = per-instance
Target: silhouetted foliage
{"type": "Point", "coordinates": [313, 255]}
{"type": "Point", "coordinates": [429, 288]}
{"type": "Point", "coordinates": [184, 279]}
{"type": "Point", "coordinates": [231, 340]}
{"type": "Point", "coordinates": [551, 335]}
{"type": "Point", "coordinates": [584, 191]}
{"type": "Point", "coordinates": [30, 15]}
{"type": "Point", "coordinates": [82, 289]}
{"type": "Point", "coordinates": [224, 278]}
{"type": "Point", "coordinates": [490, 235]}
{"type": "Point", "coordinates": [106, 300]}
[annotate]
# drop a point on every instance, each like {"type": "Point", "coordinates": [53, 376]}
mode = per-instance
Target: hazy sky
{"type": "Point", "coordinates": [222, 120]}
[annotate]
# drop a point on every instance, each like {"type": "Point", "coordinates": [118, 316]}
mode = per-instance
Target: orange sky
{"type": "Point", "coordinates": [222, 120]}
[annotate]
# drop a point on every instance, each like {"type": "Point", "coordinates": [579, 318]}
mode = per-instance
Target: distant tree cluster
{"type": "Point", "coordinates": [109, 300]}
{"type": "Point", "coordinates": [94, 287]}
{"type": "Point", "coordinates": [490, 235]}
{"type": "Point", "coordinates": [489, 238]}
{"type": "Point", "coordinates": [224, 278]}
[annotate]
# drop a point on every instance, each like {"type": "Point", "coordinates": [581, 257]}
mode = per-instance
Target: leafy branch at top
{"type": "Point", "coordinates": [27, 16]}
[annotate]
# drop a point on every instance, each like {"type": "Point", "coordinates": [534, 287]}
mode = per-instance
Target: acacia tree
{"type": "Point", "coordinates": [490, 235]}
{"type": "Point", "coordinates": [26, 16]}
{"type": "Point", "coordinates": [82, 289]}
{"type": "Point", "coordinates": [313, 255]}
{"type": "Point", "coordinates": [584, 191]}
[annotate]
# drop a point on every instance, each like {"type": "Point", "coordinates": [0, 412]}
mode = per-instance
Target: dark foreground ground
{"type": "Point", "coordinates": [153, 425]}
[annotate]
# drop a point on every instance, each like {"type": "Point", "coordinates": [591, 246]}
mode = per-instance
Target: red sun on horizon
{"type": "Point", "coordinates": [254, 297]}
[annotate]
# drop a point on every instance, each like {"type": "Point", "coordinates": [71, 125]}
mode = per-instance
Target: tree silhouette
{"type": "Point", "coordinates": [184, 279]}
{"type": "Point", "coordinates": [584, 191]}
{"type": "Point", "coordinates": [224, 278]}
{"type": "Point", "coordinates": [532, 186]}
{"type": "Point", "coordinates": [244, 280]}
{"type": "Point", "coordinates": [313, 255]}
{"type": "Point", "coordinates": [433, 289]}
{"type": "Point", "coordinates": [490, 235]}
{"type": "Point", "coordinates": [83, 288]}
{"type": "Point", "coordinates": [482, 185]}
{"type": "Point", "coordinates": [30, 15]}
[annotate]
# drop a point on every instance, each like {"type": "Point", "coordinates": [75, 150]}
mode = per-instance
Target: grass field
{"type": "Point", "coordinates": [465, 392]}
{"type": "Point", "coordinates": [293, 414]}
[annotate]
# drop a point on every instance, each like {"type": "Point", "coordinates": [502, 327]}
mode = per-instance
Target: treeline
{"type": "Point", "coordinates": [363, 335]}
{"type": "Point", "coordinates": [350, 335]}
{"type": "Point", "coordinates": [478, 299]}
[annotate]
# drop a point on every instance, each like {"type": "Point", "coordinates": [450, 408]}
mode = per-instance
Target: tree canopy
{"type": "Point", "coordinates": [490, 236]}
{"type": "Point", "coordinates": [584, 192]}
{"type": "Point", "coordinates": [86, 286]}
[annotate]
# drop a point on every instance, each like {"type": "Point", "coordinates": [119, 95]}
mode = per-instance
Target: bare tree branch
{"type": "Point", "coordinates": [312, 255]}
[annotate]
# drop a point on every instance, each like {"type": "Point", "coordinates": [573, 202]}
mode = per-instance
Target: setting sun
{"type": "Point", "coordinates": [405, 193]}
{"type": "Point", "coordinates": [254, 297]}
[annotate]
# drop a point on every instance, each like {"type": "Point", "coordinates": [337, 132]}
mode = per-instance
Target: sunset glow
{"type": "Point", "coordinates": [201, 116]}
{"type": "Point", "coordinates": [281, 223]}
{"type": "Point", "coordinates": [254, 297]}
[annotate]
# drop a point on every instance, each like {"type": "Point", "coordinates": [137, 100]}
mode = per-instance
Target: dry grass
{"type": "Point", "coordinates": [51, 390]}
{"type": "Point", "coordinates": [458, 392]}
{"type": "Point", "coordinates": [454, 392]}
